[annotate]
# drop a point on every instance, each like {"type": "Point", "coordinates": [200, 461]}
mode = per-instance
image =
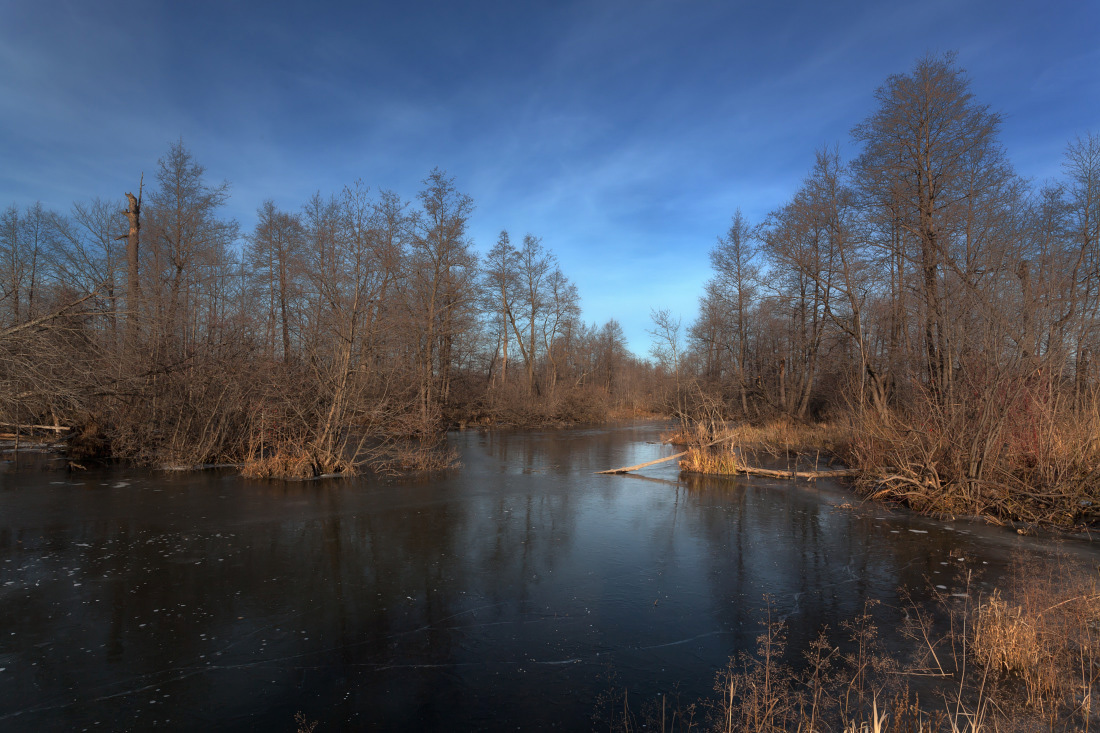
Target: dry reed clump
{"type": "Point", "coordinates": [1025, 658]}
{"type": "Point", "coordinates": [722, 461]}
{"type": "Point", "coordinates": [1043, 633]}
{"type": "Point", "coordinates": [1005, 640]}
{"type": "Point", "coordinates": [735, 447]}
{"type": "Point", "coordinates": [785, 435]}
{"type": "Point", "coordinates": [292, 462]}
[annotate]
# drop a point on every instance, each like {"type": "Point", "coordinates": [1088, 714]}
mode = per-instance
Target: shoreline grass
{"type": "Point", "coordinates": [1024, 657]}
{"type": "Point", "coordinates": [1054, 480]}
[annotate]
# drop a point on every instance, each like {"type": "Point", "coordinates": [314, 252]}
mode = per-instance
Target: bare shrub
{"type": "Point", "coordinates": [1014, 449]}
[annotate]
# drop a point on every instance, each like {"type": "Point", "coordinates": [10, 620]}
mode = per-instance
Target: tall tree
{"type": "Point", "coordinates": [188, 239]}
{"type": "Point", "coordinates": [1082, 166]}
{"type": "Point", "coordinates": [441, 284]}
{"type": "Point", "coordinates": [560, 319]}
{"type": "Point", "coordinates": [275, 254]}
{"type": "Point", "coordinates": [501, 278]}
{"type": "Point", "coordinates": [930, 153]}
{"type": "Point", "coordinates": [732, 291]}
{"type": "Point", "coordinates": [534, 267]}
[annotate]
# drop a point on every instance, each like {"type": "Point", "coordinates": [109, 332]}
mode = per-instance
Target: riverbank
{"type": "Point", "coordinates": [1021, 657]}
{"type": "Point", "coordinates": [402, 450]}
{"type": "Point", "coordinates": [937, 471]}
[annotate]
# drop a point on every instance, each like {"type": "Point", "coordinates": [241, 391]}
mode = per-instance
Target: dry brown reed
{"type": "Point", "coordinates": [747, 444]}
{"type": "Point", "coordinates": [775, 436]}
{"type": "Point", "coordinates": [305, 725]}
{"type": "Point", "coordinates": [1015, 449]}
{"type": "Point", "coordinates": [293, 462]}
{"type": "Point", "coordinates": [718, 461]}
{"type": "Point", "coordinates": [1023, 658]}
{"type": "Point", "coordinates": [1042, 633]}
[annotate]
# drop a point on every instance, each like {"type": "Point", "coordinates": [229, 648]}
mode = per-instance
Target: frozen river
{"type": "Point", "coordinates": [510, 593]}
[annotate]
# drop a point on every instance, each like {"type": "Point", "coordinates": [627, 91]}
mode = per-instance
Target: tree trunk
{"type": "Point", "coordinates": [133, 240]}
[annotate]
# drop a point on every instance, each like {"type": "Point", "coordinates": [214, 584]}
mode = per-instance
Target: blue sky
{"type": "Point", "coordinates": [624, 133]}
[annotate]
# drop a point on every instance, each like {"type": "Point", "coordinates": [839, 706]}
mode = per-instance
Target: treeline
{"type": "Point", "coordinates": [928, 297]}
{"type": "Point", "coordinates": [352, 331]}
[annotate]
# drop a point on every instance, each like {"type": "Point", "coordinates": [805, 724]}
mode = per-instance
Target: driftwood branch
{"type": "Point", "coordinates": [55, 428]}
{"type": "Point", "coordinates": [769, 472]}
{"type": "Point", "coordinates": [628, 469]}
{"type": "Point", "coordinates": [774, 473]}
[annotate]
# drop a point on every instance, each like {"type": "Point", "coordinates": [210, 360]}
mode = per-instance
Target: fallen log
{"type": "Point", "coordinates": [17, 426]}
{"type": "Point", "coordinates": [628, 469]}
{"type": "Point", "coordinates": [748, 470]}
{"type": "Point", "coordinates": [808, 475]}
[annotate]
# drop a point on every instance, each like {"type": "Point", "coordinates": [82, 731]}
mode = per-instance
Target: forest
{"type": "Point", "coordinates": [936, 310]}
{"type": "Point", "coordinates": [940, 308]}
{"type": "Point", "coordinates": [349, 333]}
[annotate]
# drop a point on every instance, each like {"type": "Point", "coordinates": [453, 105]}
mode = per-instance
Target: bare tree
{"type": "Point", "coordinates": [560, 318]}
{"type": "Point", "coordinates": [501, 278]}
{"type": "Point", "coordinates": [731, 292]}
{"type": "Point", "coordinates": [275, 255]}
{"type": "Point", "coordinates": [27, 238]}
{"type": "Point", "coordinates": [441, 280]}
{"type": "Point", "coordinates": [188, 238]}
{"type": "Point", "coordinates": [930, 150]}
{"type": "Point", "coordinates": [534, 267]}
{"type": "Point", "coordinates": [667, 348]}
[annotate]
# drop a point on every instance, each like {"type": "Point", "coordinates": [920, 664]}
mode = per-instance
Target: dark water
{"type": "Point", "coordinates": [506, 595]}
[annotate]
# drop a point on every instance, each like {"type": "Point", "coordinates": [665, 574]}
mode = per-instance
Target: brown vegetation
{"type": "Point", "coordinates": [347, 335]}
{"type": "Point", "coordinates": [927, 300]}
{"type": "Point", "coordinates": [1021, 658]}
{"type": "Point", "coordinates": [1021, 452]}
{"type": "Point", "coordinates": [922, 295]}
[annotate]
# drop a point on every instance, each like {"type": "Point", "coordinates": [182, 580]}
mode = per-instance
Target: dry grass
{"type": "Point", "coordinates": [287, 462]}
{"type": "Point", "coordinates": [723, 461]}
{"type": "Point", "coordinates": [746, 444]}
{"type": "Point", "coordinates": [789, 436]}
{"type": "Point", "coordinates": [1016, 449]}
{"type": "Point", "coordinates": [292, 461]}
{"type": "Point", "coordinates": [774, 436]}
{"type": "Point", "coordinates": [1024, 658]}
{"type": "Point", "coordinates": [1044, 633]}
